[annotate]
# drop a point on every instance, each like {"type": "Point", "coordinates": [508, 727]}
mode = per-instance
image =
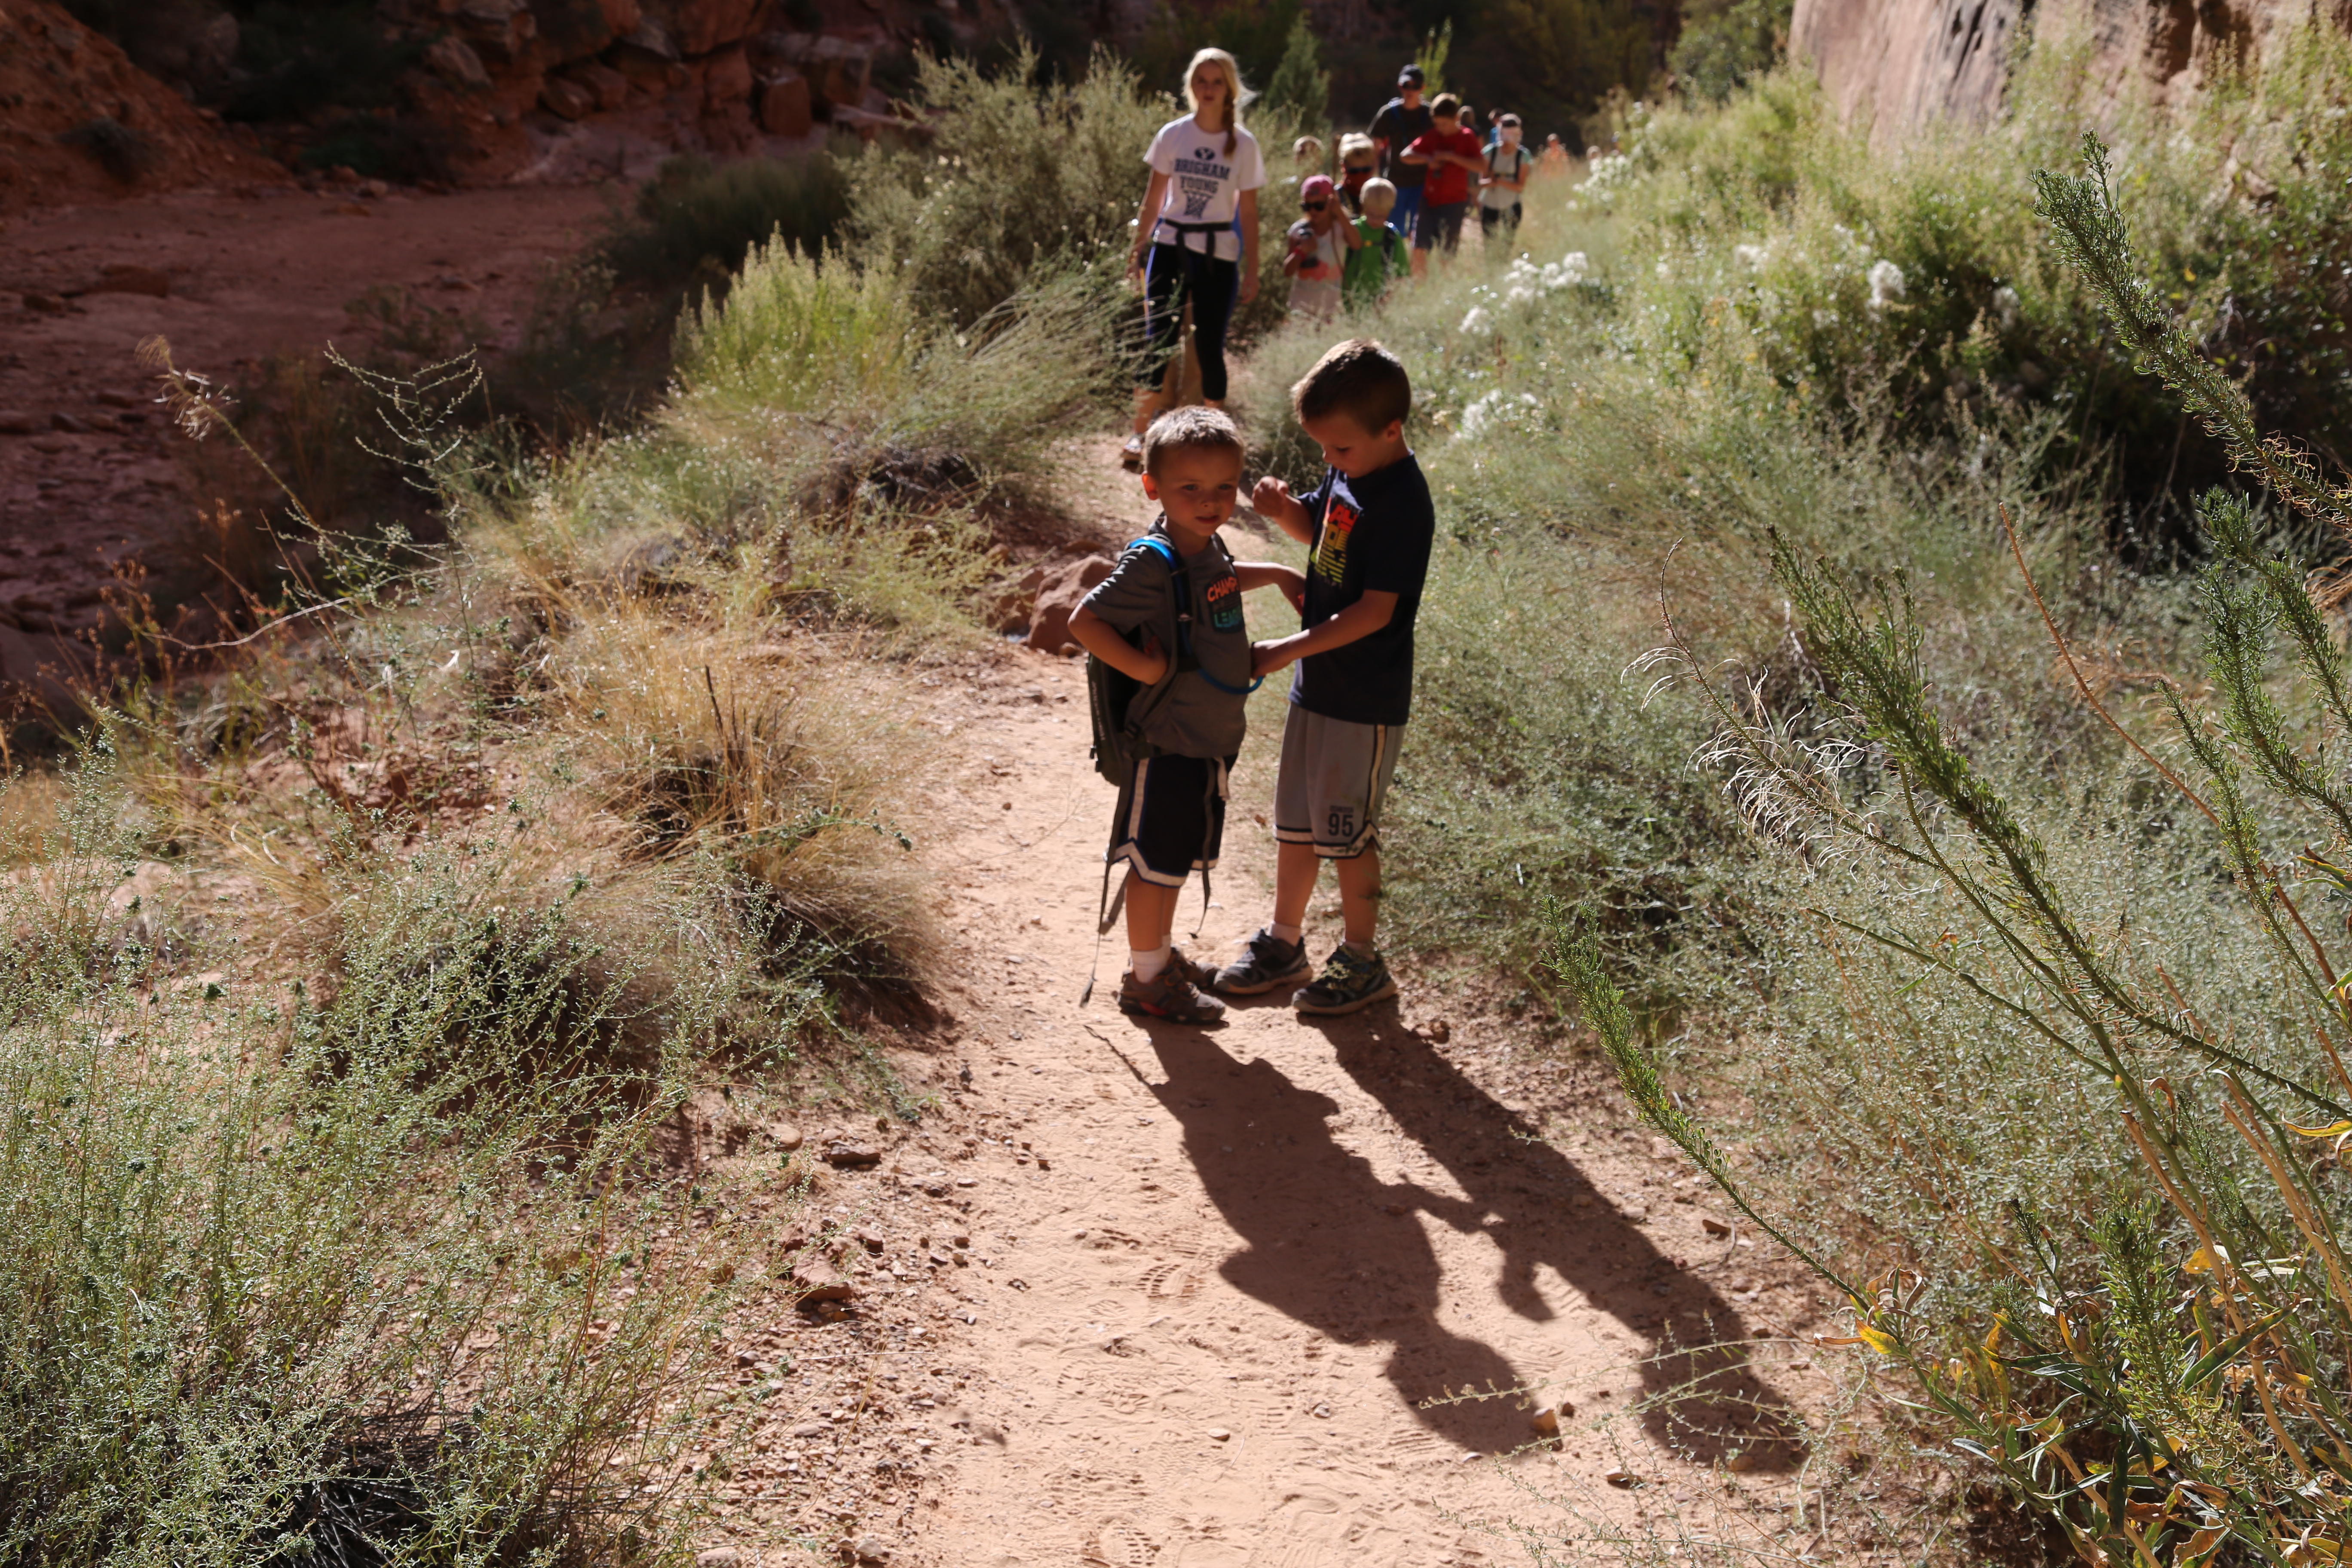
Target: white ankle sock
{"type": "Point", "coordinates": [1286, 934]}
{"type": "Point", "coordinates": [1146, 962]}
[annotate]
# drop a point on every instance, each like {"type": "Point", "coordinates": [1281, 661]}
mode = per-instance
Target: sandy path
{"type": "Point", "coordinates": [1233, 1265]}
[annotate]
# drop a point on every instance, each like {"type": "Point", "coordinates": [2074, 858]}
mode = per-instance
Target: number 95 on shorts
{"type": "Point", "coordinates": [1334, 780]}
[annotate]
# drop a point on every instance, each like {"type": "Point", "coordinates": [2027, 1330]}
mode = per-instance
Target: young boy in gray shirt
{"type": "Point", "coordinates": [1171, 808]}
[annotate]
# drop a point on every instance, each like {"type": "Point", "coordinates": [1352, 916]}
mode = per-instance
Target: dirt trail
{"type": "Point", "coordinates": [1231, 1266]}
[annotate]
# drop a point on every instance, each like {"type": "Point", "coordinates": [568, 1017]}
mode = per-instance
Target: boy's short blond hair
{"type": "Point", "coordinates": [1307, 147]}
{"type": "Point", "coordinates": [1445, 106]}
{"type": "Point", "coordinates": [1193, 428]}
{"type": "Point", "coordinates": [1360, 379]}
{"type": "Point", "coordinates": [1355, 141]}
{"type": "Point", "coordinates": [1378, 193]}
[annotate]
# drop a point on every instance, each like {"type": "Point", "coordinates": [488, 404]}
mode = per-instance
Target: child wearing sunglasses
{"type": "Point", "coordinates": [1318, 246]}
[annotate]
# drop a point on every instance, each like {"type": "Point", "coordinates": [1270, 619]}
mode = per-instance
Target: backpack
{"type": "Point", "coordinates": [1118, 704]}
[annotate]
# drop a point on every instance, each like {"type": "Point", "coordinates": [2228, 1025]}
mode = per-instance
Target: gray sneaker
{"type": "Point", "coordinates": [1169, 995]}
{"type": "Point", "coordinates": [1347, 985]}
{"type": "Point", "coordinates": [1266, 962]}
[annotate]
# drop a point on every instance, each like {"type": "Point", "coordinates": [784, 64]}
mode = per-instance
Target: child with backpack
{"type": "Point", "coordinates": [1502, 188]}
{"type": "Point", "coordinates": [1168, 682]}
{"type": "Point", "coordinates": [1368, 525]}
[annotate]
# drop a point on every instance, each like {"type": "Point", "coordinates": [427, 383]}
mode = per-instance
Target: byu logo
{"type": "Point", "coordinates": [1204, 154]}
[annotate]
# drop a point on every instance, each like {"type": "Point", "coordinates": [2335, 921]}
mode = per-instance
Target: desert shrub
{"type": "Point", "coordinates": [1019, 183]}
{"type": "Point", "coordinates": [1914, 265]}
{"type": "Point", "coordinates": [694, 222]}
{"type": "Point", "coordinates": [1726, 44]}
{"type": "Point", "coordinates": [841, 341]}
{"type": "Point", "coordinates": [2078, 1057]}
{"type": "Point", "coordinates": [304, 1274]}
{"type": "Point", "coordinates": [123, 153]}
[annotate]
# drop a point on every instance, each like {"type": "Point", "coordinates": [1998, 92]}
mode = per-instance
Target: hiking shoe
{"type": "Point", "coordinates": [1347, 985]}
{"type": "Point", "coordinates": [1202, 976]}
{"type": "Point", "coordinates": [1169, 994]}
{"type": "Point", "coordinates": [1266, 962]}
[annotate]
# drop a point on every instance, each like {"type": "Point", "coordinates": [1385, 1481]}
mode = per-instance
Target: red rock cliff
{"type": "Point", "coordinates": [1902, 62]}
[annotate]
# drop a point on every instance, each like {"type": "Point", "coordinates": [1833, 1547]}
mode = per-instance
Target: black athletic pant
{"type": "Point", "coordinates": [1171, 276]}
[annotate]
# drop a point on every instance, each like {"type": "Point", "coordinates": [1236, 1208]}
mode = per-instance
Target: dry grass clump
{"type": "Point", "coordinates": [264, 1297]}
{"type": "Point", "coordinates": [780, 769]}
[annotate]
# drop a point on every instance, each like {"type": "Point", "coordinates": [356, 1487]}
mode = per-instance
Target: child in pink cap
{"type": "Point", "coordinates": [1319, 242]}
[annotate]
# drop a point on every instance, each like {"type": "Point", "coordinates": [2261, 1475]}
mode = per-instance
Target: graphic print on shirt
{"type": "Point", "coordinates": [1225, 600]}
{"type": "Point", "coordinates": [1198, 177]}
{"type": "Point", "coordinates": [1332, 550]}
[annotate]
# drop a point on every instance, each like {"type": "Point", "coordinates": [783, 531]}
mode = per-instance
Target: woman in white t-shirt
{"type": "Point", "coordinates": [1196, 234]}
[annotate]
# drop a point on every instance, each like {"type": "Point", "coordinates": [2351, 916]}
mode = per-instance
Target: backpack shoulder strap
{"type": "Point", "coordinates": [1180, 606]}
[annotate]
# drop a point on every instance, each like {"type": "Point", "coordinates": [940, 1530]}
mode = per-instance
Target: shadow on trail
{"type": "Point", "coordinates": [1335, 1248]}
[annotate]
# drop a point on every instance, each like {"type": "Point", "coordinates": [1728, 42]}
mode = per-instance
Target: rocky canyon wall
{"type": "Point", "coordinates": [1904, 62]}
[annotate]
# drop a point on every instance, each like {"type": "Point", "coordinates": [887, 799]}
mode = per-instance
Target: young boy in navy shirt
{"type": "Point", "coordinates": [1369, 525]}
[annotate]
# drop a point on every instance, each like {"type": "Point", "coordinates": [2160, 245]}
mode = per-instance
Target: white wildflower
{"type": "Point", "coordinates": [1498, 410]}
{"type": "Point", "coordinates": [1665, 271]}
{"type": "Point", "coordinates": [1749, 256]}
{"type": "Point", "coordinates": [2006, 307]}
{"type": "Point", "coordinates": [1886, 284]}
{"type": "Point", "coordinates": [1475, 321]}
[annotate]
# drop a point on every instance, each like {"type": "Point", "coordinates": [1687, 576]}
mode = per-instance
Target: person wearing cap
{"type": "Point", "coordinates": [1318, 246]}
{"type": "Point", "coordinates": [1402, 120]}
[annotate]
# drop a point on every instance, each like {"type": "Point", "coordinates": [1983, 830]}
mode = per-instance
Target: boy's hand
{"type": "Point", "coordinates": [1266, 657]}
{"type": "Point", "coordinates": [1156, 658]}
{"type": "Point", "coordinates": [1269, 496]}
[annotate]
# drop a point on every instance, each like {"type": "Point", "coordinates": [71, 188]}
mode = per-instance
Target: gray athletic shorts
{"type": "Point", "coordinates": [1335, 777]}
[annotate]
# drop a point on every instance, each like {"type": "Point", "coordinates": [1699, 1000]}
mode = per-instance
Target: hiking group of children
{"type": "Point", "coordinates": [1168, 625]}
{"type": "Point", "coordinates": [1404, 190]}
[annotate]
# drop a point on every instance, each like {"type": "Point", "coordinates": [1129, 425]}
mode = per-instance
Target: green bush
{"type": "Point", "coordinates": [1019, 185]}
{"type": "Point", "coordinates": [1726, 44]}
{"type": "Point", "coordinates": [694, 222]}
{"type": "Point", "coordinates": [1913, 267]}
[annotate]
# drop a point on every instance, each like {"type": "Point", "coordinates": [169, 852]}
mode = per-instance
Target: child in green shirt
{"type": "Point", "coordinates": [1384, 256]}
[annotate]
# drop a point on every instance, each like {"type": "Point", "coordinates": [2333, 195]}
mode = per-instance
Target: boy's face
{"type": "Point", "coordinates": [1352, 449]}
{"type": "Point", "coordinates": [1198, 487]}
{"type": "Point", "coordinates": [1446, 124]}
{"type": "Point", "coordinates": [1378, 208]}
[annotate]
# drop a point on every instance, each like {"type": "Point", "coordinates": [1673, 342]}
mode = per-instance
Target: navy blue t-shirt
{"type": "Point", "coordinates": [1371, 536]}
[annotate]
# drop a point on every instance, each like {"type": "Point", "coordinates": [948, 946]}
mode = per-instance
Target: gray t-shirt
{"type": "Point", "coordinates": [1193, 718]}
